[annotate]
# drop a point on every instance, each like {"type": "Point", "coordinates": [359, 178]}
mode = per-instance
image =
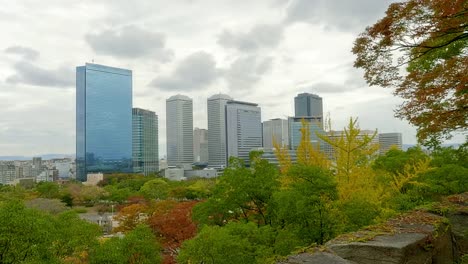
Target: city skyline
{"type": "Point", "coordinates": [264, 52]}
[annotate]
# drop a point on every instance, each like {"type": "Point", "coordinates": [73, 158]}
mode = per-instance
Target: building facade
{"type": "Point", "coordinates": [314, 124]}
{"type": "Point", "coordinates": [179, 130]}
{"type": "Point", "coordinates": [103, 120]}
{"type": "Point", "coordinates": [200, 145]}
{"type": "Point", "coordinates": [243, 129]}
{"type": "Point", "coordinates": [306, 104]}
{"type": "Point", "coordinates": [217, 152]}
{"type": "Point", "coordinates": [145, 141]}
{"type": "Point", "coordinates": [275, 130]}
{"type": "Point", "coordinates": [390, 140]}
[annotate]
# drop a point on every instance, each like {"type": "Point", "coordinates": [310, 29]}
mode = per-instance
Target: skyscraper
{"type": "Point", "coordinates": [306, 104]}
{"type": "Point", "coordinates": [103, 120]}
{"type": "Point", "coordinates": [389, 140]}
{"type": "Point", "coordinates": [275, 129]}
{"type": "Point", "coordinates": [217, 130]}
{"type": "Point", "coordinates": [179, 130]}
{"type": "Point", "coordinates": [243, 129]}
{"type": "Point", "coordinates": [315, 126]}
{"type": "Point", "coordinates": [200, 145]}
{"type": "Point", "coordinates": [145, 141]}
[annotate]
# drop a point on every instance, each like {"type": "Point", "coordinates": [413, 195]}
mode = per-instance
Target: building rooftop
{"type": "Point", "coordinates": [179, 97]}
{"type": "Point", "coordinates": [220, 96]}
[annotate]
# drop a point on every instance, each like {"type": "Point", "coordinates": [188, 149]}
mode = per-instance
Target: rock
{"type": "Point", "coordinates": [415, 238]}
{"type": "Point", "coordinates": [315, 258]}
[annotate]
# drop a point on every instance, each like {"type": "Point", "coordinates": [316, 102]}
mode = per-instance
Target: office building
{"type": "Point", "coordinates": [388, 141]}
{"type": "Point", "coordinates": [314, 125]}
{"type": "Point", "coordinates": [145, 141]}
{"type": "Point", "coordinates": [103, 120]}
{"type": "Point", "coordinates": [7, 173]}
{"type": "Point", "coordinates": [243, 129]}
{"type": "Point", "coordinates": [275, 130]}
{"type": "Point", "coordinates": [200, 145]}
{"type": "Point", "coordinates": [336, 135]}
{"type": "Point", "coordinates": [306, 104]}
{"type": "Point", "coordinates": [179, 130]}
{"type": "Point", "coordinates": [217, 155]}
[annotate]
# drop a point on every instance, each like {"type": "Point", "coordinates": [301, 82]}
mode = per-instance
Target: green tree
{"type": "Point", "coordinates": [429, 40]}
{"type": "Point", "coordinates": [307, 207]}
{"type": "Point", "coordinates": [216, 244]}
{"type": "Point", "coordinates": [155, 189]}
{"type": "Point", "coordinates": [136, 247]}
{"type": "Point", "coordinates": [25, 235]}
{"type": "Point", "coordinates": [48, 190]}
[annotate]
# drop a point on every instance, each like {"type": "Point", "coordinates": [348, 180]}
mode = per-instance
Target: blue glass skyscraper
{"type": "Point", "coordinates": [103, 120]}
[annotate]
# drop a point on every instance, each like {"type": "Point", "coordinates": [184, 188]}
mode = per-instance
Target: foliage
{"type": "Point", "coordinates": [241, 193]}
{"type": "Point", "coordinates": [138, 246]}
{"type": "Point", "coordinates": [49, 190]}
{"type": "Point", "coordinates": [129, 217]}
{"type": "Point", "coordinates": [429, 38]}
{"type": "Point", "coordinates": [307, 153]}
{"type": "Point", "coordinates": [52, 206]}
{"type": "Point", "coordinates": [25, 235]}
{"type": "Point", "coordinates": [155, 189]}
{"type": "Point", "coordinates": [234, 243]}
{"type": "Point", "coordinates": [30, 236]}
{"type": "Point", "coordinates": [353, 154]}
{"type": "Point", "coordinates": [173, 224]}
{"type": "Point", "coordinates": [306, 206]}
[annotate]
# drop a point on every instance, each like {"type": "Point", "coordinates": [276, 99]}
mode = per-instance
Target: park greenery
{"type": "Point", "coordinates": [250, 214]}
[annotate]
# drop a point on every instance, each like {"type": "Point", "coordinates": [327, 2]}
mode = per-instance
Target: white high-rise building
{"type": "Point", "coordinates": [217, 155]}
{"type": "Point", "coordinates": [244, 129]}
{"type": "Point", "coordinates": [200, 145]}
{"type": "Point", "coordinates": [179, 130]}
{"type": "Point", "coordinates": [275, 130]}
{"type": "Point", "coordinates": [389, 140]}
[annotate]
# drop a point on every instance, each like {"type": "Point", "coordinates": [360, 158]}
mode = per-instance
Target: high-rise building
{"type": "Point", "coordinates": [388, 141]}
{"type": "Point", "coordinates": [217, 155]}
{"type": "Point", "coordinates": [200, 145]}
{"type": "Point", "coordinates": [243, 129]}
{"type": "Point", "coordinates": [275, 130]}
{"type": "Point", "coordinates": [145, 141]}
{"type": "Point", "coordinates": [306, 104]}
{"type": "Point", "coordinates": [179, 130]}
{"type": "Point", "coordinates": [314, 125]}
{"type": "Point", "coordinates": [103, 120]}
{"type": "Point", "coordinates": [37, 162]}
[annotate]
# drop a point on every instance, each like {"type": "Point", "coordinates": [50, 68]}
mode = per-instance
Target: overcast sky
{"type": "Point", "coordinates": [262, 51]}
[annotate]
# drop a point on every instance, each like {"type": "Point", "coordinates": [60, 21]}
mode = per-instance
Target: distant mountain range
{"type": "Point", "coordinates": [43, 156]}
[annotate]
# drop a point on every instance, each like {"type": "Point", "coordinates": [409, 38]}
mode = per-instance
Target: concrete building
{"type": "Point", "coordinates": [200, 145]}
{"type": "Point", "coordinates": [275, 130]}
{"type": "Point", "coordinates": [179, 130]}
{"type": "Point", "coordinates": [103, 120]}
{"type": "Point", "coordinates": [205, 173]}
{"type": "Point", "coordinates": [217, 154]}
{"type": "Point", "coordinates": [243, 129]}
{"type": "Point", "coordinates": [145, 141]}
{"type": "Point", "coordinates": [390, 140]}
{"type": "Point", "coordinates": [306, 104]}
{"type": "Point", "coordinates": [174, 174]}
{"type": "Point", "coordinates": [314, 125]}
{"type": "Point", "coordinates": [7, 173]}
{"type": "Point", "coordinates": [335, 135]}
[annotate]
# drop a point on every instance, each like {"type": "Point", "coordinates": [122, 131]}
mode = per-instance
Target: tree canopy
{"type": "Point", "coordinates": [428, 39]}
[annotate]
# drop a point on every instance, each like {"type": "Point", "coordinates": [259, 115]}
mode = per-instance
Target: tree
{"type": "Point", "coordinates": [429, 38]}
{"type": "Point", "coordinates": [173, 224]}
{"type": "Point", "coordinates": [25, 235]}
{"type": "Point", "coordinates": [131, 216]}
{"type": "Point", "coordinates": [139, 246]}
{"type": "Point", "coordinates": [155, 189]}
{"type": "Point", "coordinates": [353, 153]}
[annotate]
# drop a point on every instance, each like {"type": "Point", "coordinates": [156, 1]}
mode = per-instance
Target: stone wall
{"type": "Point", "coordinates": [418, 237]}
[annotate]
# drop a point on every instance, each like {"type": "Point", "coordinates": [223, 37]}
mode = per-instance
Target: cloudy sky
{"type": "Point", "coordinates": [262, 51]}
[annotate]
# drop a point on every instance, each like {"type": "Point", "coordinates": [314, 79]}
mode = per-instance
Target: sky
{"type": "Point", "coordinates": [262, 51]}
